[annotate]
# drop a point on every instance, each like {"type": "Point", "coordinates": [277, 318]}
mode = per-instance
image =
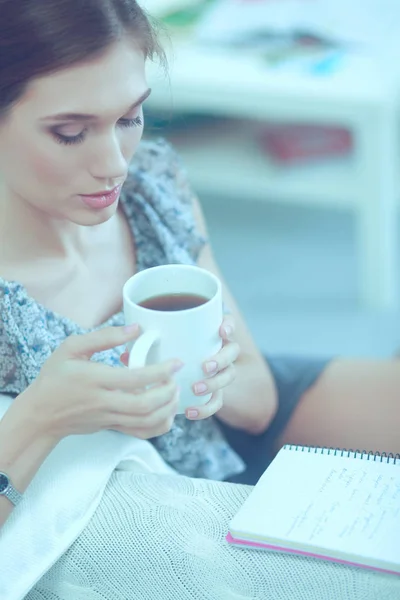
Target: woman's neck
{"type": "Point", "coordinates": [27, 232]}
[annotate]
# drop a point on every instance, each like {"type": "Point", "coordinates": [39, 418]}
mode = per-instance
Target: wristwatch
{"type": "Point", "coordinates": [8, 490]}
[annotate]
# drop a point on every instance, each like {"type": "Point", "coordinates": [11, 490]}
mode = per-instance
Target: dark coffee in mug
{"type": "Point", "coordinates": [173, 302]}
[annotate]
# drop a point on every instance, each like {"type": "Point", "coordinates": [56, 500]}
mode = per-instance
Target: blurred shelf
{"type": "Point", "coordinates": [363, 96]}
{"type": "Point", "coordinates": [222, 82]}
{"type": "Point", "coordinates": [234, 166]}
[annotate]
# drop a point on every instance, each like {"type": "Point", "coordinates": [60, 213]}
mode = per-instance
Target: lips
{"type": "Point", "coordinates": [102, 199]}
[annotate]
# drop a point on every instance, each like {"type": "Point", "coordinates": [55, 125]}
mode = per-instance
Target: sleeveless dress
{"type": "Point", "coordinates": [158, 536]}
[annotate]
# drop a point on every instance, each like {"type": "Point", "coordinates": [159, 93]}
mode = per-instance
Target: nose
{"type": "Point", "coordinates": [108, 161]}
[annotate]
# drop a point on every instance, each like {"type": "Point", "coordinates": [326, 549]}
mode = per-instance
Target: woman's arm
{"type": "Point", "coordinates": [250, 403]}
{"type": "Point", "coordinates": [23, 448]}
{"type": "Point", "coordinates": [353, 404]}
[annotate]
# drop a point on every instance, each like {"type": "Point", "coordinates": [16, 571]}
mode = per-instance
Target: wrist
{"type": "Point", "coordinates": [23, 449]}
{"type": "Point", "coordinates": [24, 430]}
{"type": "Point", "coordinates": [250, 403]}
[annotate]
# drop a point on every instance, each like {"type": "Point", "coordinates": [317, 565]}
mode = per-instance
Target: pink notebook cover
{"type": "Point", "coordinates": [261, 546]}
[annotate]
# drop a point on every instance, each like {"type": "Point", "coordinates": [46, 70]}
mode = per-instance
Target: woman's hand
{"type": "Point", "coordinates": [219, 371]}
{"type": "Point", "coordinates": [74, 395]}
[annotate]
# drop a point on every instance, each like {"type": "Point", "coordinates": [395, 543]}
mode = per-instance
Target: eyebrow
{"type": "Point", "coordinates": [87, 117]}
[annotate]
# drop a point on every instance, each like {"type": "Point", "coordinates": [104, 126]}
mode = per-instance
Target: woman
{"type": "Point", "coordinates": [72, 86]}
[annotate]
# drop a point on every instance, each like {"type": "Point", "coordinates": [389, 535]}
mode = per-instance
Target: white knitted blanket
{"type": "Point", "coordinates": [106, 519]}
{"type": "Point", "coordinates": [161, 537]}
{"type": "Point", "coordinates": [60, 501]}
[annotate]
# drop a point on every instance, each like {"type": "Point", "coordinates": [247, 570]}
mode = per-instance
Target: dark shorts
{"type": "Point", "coordinates": [293, 376]}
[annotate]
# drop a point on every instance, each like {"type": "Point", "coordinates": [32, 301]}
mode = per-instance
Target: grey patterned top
{"type": "Point", "coordinates": [157, 201]}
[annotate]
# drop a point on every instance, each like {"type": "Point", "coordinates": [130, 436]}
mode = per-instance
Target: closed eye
{"type": "Point", "coordinates": [79, 138]}
{"type": "Point", "coordinates": [136, 122]}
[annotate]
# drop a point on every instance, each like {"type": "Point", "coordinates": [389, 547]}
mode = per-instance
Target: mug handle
{"type": "Point", "coordinates": [141, 348]}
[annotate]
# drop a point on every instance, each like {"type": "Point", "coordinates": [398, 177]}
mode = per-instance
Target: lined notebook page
{"type": "Point", "coordinates": [312, 501]}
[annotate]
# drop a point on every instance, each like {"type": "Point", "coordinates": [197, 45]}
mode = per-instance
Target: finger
{"type": "Point", "coordinates": [227, 329]}
{"type": "Point", "coordinates": [154, 419]}
{"type": "Point", "coordinates": [124, 358]}
{"type": "Point", "coordinates": [215, 404]}
{"type": "Point", "coordinates": [84, 346]}
{"type": "Point", "coordinates": [162, 422]}
{"type": "Point", "coordinates": [138, 407]}
{"type": "Point", "coordinates": [225, 357]}
{"type": "Point", "coordinates": [129, 380]}
{"type": "Point", "coordinates": [219, 381]}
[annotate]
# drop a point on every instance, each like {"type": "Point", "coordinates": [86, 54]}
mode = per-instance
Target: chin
{"type": "Point", "coordinates": [90, 217]}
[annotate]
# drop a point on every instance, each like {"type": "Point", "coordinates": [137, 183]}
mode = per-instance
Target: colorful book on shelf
{"type": "Point", "coordinates": [295, 143]}
{"type": "Point", "coordinates": [338, 505]}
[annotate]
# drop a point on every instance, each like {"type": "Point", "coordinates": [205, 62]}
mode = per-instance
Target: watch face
{"type": "Point", "coordinates": [4, 483]}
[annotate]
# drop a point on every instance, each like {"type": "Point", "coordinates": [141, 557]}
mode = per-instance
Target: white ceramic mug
{"type": "Point", "coordinates": [191, 335]}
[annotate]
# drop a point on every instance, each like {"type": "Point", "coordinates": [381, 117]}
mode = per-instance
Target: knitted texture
{"type": "Point", "coordinates": [163, 537]}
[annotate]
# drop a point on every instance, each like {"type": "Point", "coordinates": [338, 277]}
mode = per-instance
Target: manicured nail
{"type": "Point", "coordinates": [131, 328]}
{"type": "Point", "coordinates": [228, 330]}
{"type": "Point", "coordinates": [200, 388]}
{"type": "Point", "coordinates": [192, 414]}
{"type": "Point", "coordinates": [211, 367]}
{"type": "Point", "coordinates": [177, 366]}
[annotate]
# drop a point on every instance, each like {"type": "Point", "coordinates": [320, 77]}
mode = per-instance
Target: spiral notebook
{"type": "Point", "coordinates": [337, 505]}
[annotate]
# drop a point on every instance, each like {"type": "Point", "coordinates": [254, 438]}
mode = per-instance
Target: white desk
{"type": "Point", "coordinates": [361, 95]}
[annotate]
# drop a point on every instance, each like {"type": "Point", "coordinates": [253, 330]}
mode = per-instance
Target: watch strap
{"type": "Point", "coordinates": [12, 494]}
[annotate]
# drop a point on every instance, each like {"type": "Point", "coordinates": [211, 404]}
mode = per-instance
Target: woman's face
{"type": "Point", "coordinates": [73, 134]}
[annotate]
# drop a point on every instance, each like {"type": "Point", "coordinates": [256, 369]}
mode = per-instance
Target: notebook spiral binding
{"type": "Point", "coordinates": [362, 454]}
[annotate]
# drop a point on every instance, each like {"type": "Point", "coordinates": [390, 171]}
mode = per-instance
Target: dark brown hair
{"type": "Point", "coordinates": [39, 37]}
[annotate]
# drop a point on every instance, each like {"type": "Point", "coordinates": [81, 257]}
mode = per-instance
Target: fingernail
{"type": "Point", "coordinates": [177, 366]}
{"type": "Point", "coordinates": [192, 414]}
{"type": "Point", "coordinates": [200, 388]}
{"type": "Point", "coordinates": [211, 367]}
{"type": "Point", "coordinates": [131, 328]}
{"type": "Point", "coordinates": [228, 330]}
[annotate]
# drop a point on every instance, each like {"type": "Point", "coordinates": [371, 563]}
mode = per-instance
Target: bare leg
{"type": "Point", "coordinates": [354, 404]}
